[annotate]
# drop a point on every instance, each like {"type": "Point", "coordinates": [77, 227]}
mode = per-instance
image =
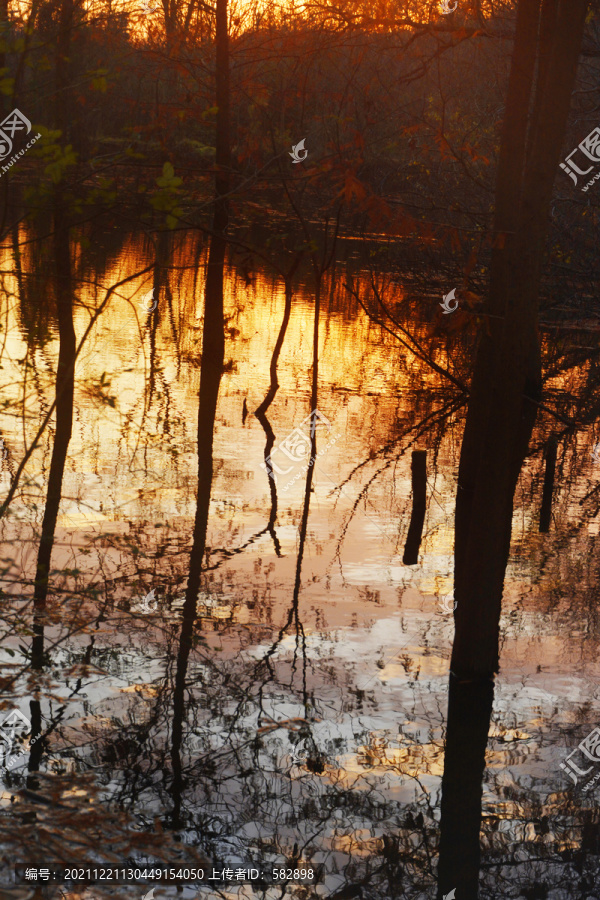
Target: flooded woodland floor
{"type": "Point", "coordinates": [297, 718]}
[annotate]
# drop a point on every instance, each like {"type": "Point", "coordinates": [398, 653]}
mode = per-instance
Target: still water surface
{"type": "Point", "coordinates": [307, 726]}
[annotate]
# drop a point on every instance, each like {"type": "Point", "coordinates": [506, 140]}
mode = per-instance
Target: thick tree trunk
{"type": "Point", "coordinates": [469, 712]}
{"type": "Point", "coordinates": [502, 409]}
{"type": "Point", "coordinates": [506, 383]}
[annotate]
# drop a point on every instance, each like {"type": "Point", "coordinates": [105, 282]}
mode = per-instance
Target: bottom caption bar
{"type": "Point", "coordinates": [158, 874]}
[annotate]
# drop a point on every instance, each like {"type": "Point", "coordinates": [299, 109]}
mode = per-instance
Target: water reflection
{"type": "Point", "coordinates": [213, 350]}
{"type": "Point", "coordinates": [65, 386]}
{"type": "Point", "coordinates": [284, 704]}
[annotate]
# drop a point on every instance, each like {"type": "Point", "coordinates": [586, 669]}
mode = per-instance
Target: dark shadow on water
{"type": "Point", "coordinates": [213, 351]}
{"type": "Point", "coordinates": [65, 386]}
{"type": "Point", "coordinates": [469, 713]}
{"type": "Point", "coordinates": [261, 411]}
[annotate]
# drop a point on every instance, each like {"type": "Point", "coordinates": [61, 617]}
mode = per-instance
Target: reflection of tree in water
{"type": "Point", "coordinates": [326, 778]}
{"type": "Point", "coordinates": [275, 752]}
{"type": "Point", "coordinates": [258, 790]}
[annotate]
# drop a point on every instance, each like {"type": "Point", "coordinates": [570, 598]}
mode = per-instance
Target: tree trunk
{"type": "Point", "coordinates": [506, 385]}
{"type": "Point", "coordinates": [469, 712]}
{"type": "Point", "coordinates": [223, 148]}
{"type": "Point", "coordinates": [65, 387]}
{"type": "Point", "coordinates": [213, 350]}
{"type": "Point", "coordinates": [502, 409]}
{"type": "Point", "coordinates": [62, 104]}
{"type": "Point", "coordinates": [4, 40]}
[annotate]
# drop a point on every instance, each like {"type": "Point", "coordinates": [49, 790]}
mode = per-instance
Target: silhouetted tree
{"type": "Point", "coordinates": [506, 385]}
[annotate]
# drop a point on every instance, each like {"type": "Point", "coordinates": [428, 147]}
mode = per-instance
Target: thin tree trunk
{"type": "Point", "coordinates": [4, 33]}
{"type": "Point", "coordinates": [261, 411]}
{"type": "Point", "coordinates": [62, 67]}
{"type": "Point", "coordinates": [213, 352]}
{"type": "Point", "coordinates": [213, 344]}
{"type": "Point", "coordinates": [223, 147]}
{"type": "Point", "coordinates": [65, 386]}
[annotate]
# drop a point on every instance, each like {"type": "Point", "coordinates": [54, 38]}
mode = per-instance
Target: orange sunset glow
{"type": "Point", "coordinates": [299, 450]}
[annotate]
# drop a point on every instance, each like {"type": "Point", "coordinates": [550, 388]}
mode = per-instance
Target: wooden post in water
{"type": "Point", "coordinates": [550, 457]}
{"type": "Point", "coordinates": [419, 488]}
